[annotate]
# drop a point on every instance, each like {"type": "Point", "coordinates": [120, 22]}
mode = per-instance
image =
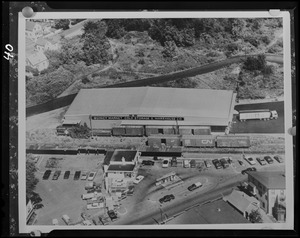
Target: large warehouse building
{"type": "Point", "coordinates": [153, 110]}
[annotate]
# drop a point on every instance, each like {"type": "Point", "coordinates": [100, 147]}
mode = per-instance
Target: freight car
{"type": "Point", "coordinates": [233, 141]}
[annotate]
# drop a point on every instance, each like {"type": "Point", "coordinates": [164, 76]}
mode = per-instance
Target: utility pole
{"type": "Point", "coordinates": [91, 124]}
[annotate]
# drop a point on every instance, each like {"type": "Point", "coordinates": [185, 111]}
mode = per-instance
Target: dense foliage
{"type": "Point", "coordinates": [31, 182]}
{"type": "Point", "coordinates": [61, 24]}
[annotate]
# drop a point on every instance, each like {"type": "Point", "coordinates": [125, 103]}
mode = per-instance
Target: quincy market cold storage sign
{"type": "Point", "coordinates": [136, 118]}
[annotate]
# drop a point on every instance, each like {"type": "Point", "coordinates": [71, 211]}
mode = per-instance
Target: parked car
{"type": "Point", "coordinates": [91, 176]}
{"type": "Point", "coordinates": [224, 163]}
{"type": "Point", "coordinates": [67, 175]}
{"type": "Point", "coordinates": [193, 163]}
{"type": "Point", "coordinates": [261, 161]}
{"type": "Point", "coordinates": [269, 159]}
{"type": "Point", "coordinates": [217, 163]}
{"type": "Point", "coordinates": [83, 175]}
{"type": "Point", "coordinates": [167, 198]}
{"type": "Point", "coordinates": [165, 163]}
{"type": "Point", "coordinates": [174, 162]}
{"type": "Point", "coordinates": [147, 162]}
{"type": "Point", "coordinates": [87, 223]}
{"type": "Point", "coordinates": [56, 174]}
{"type": "Point", "coordinates": [46, 174]}
{"type": "Point", "coordinates": [138, 179]}
{"type": "Point", "coordinates": [207, 163]}
{"type": "Point", "coordinates": [77, 175]}
{"type": "Point", "coordinates": [130, 190]}
{"type": "Point", "coordinates": [66, 219]}
{"type": "Point", "coordinates": [250, 160]}
{"type": "Point", "coordinates": [195, 186]}
{"type": "Point", "coordinates": [112, 215]}
{"type": "Point", "coordinates": [104, 220]}
{"type": "Point", "coordinates": [186, 163]}
{"type": "Point", "coordinates": [278, 158]}
{"type": "Point", "coordinates": [241, 163]}
{"type": "Point", "coordinates": [248, 169]}
{"type": "Point", "coordinates": [55, 222]}
{"type": "Point", "coordinates": [229, 160]}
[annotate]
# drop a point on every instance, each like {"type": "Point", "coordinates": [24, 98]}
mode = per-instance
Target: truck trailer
{"type": "Point", "coordinates": [262, 114]}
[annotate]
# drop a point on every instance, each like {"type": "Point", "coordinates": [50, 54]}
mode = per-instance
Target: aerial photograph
{"type": "Point", "coordinates": [155, 121]}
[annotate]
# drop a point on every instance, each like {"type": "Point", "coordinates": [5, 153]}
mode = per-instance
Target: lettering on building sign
{"type": "Point", "coordinates": [10, 49]}
{"type": "Point", "coordinates": [136, 118]}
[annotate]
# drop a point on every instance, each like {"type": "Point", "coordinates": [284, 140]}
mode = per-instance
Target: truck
{"type": "Point", "coordinates": [260, 114]}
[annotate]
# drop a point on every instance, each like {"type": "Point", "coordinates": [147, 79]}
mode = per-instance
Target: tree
{"type": "Point", "coordinates": [31, 182]}
{"type": "Point", "coordinates": [255, 216]}
{"type": "Point", "coordinates": [98, 28]}
{"type": "Point", "coordinates": [255, 62]}
{"type": "Point", "coordinates": [62, 24]}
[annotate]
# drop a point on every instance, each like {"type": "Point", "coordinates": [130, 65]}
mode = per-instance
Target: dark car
{"type": "Point", "coordinates": [193, 163]}
{"type": "Point", "coordinates": [46, 174]}
{"type": "Point", "coordinates": [56, 175]}
{"type": "Point", "coordinates": [147, 162]}
{"type": "Point", "coordinates": [195, 186]}
{"type": "Point", "coordinates": [217, 163]}
{"type": "Point", "coordinates": [269, 159]}
{"type": "Point", "coordinates": [112, 215]}
{"type": "Point", "coordinates": [248, 169]}
{"type": "Point", "coordinates": [130, 190]}
{"type": "Point", "coordinates": [167, 198]}
{"type": "Point", "coordinates": [278, 158]}
{"type": "Point", "coordinates": [224, 163]}
{"type": "Point", "coordinates": [77, 175]}
{"type": "Point", "coordinates": [174, 162]}
{"type": "Point", "coordinates": [67, 175]}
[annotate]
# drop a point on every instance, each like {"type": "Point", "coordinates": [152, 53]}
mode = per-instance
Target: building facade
{"type": "Point", "coordinates": [269, 188]}
{"type": "Point", "coordinates": [120, 169]}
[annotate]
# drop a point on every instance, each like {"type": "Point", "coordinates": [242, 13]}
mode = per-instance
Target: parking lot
{"type": "Point", "coordinates": [63, 196]}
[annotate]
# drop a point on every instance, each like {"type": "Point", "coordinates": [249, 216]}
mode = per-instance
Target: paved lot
{"type": "Point", "coordinates": [63, 196]}
{"type": "Point", "coordinates": [257, 126]}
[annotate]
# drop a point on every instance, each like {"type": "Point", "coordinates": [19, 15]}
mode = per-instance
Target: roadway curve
{"type": "Point", "coordinates": [67, 100]}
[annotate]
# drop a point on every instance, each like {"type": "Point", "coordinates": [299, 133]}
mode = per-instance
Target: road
{"type": "Point", "coordinates": [257, 126]}
{"type": "Point", "coordinates": [178, 206]}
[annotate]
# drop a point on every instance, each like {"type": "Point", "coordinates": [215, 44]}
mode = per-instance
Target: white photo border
{"type": "Point", "coordinates": [285, 15]}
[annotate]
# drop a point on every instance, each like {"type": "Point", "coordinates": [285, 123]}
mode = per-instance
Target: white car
{"type": "Point", "coordinates": [250, 160]}
{"type": "Point", "coordinates": [91, 176]}
{"type": "Point", "coordinates": [138, 179]}
{"type": "Point", "coordinates": [54, 222]}
{"type": "Point", "coordinates": [83, 175]}
{"type": "Point", "coordinates": [207, 163]}
{"type": "Point", "coordinates": [165, 163]}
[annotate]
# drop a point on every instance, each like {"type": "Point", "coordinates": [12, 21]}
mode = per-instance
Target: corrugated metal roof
{"type": "Point", "coordinates": [270, 179]}
{"type": "Point", "coordinates": [212, 107]}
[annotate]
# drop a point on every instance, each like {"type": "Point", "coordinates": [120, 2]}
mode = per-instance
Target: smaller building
{"type": "Point", "coordinates": [37, 61]}
{"type": "Point", "coordinates": [269, 188]}
{"type": "Point", "coordinates": [49, 43]}
{"type": "Point", "coordinates": [33, 30]}
{"type": "Point", "coordinates": [120, 169]}
{"type": "Point", "coordinates": [242, 202]}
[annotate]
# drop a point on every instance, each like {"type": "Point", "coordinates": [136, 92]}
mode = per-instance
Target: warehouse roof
{"type": "Point", "coordinates": [214, 107]}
